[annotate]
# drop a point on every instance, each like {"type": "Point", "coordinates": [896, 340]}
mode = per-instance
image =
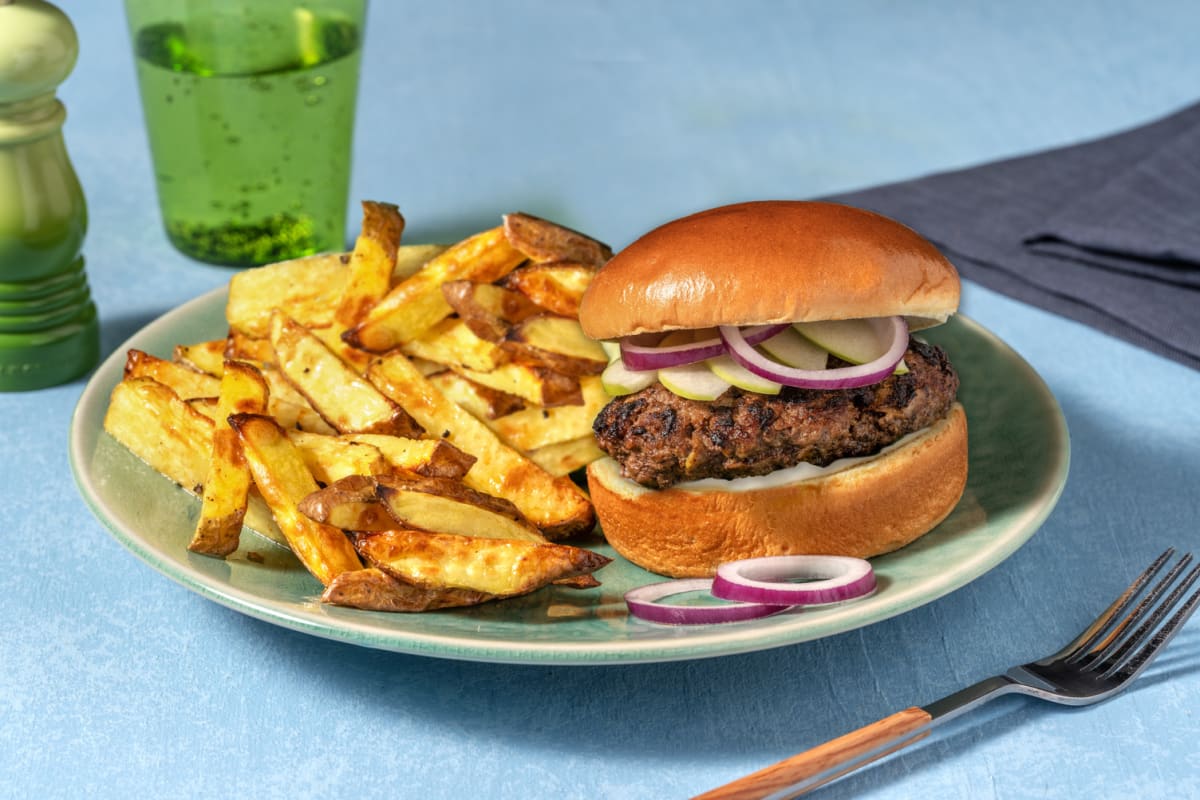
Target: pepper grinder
{"type": "Point", "coordinates": [49, 333]}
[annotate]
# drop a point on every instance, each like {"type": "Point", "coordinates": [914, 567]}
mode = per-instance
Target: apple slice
{"type": "Point", "coordinates": [793, 349]}
{"type": "Point", "coordinates": [694, 381]}
{"type": "Point", "coordinates": [735, 374]}
{"type": "Point", "coordinates": [618, 379]}
{"type": "Point", "coordinates": [856, 341]}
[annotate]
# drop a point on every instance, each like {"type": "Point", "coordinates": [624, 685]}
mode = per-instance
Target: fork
{"type": "Point", "coordinates": [1101, 661]}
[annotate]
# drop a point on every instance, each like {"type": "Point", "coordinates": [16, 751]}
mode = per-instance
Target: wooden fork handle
{"type": "Point", "coordinates": [831, 760]}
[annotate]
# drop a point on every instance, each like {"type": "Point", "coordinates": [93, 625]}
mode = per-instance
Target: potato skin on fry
{"type": "Point", "coordinates": [499, 567]}
{"type": "Point", "coordinates": [374, 590]}
{"type": "Point", "coordinates": [543, 240]}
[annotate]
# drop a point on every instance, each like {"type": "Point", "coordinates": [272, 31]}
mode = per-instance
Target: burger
{"type": "Point", "coordinates": [768, 396]}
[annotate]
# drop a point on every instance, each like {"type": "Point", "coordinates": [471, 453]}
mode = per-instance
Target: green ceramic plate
{"type": "Point", "coordinates": [1018, 465]}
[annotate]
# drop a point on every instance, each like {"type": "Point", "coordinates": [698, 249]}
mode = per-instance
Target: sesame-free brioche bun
{"type": "Point", "coordinates": [867, 509]}
{"type": "Point", "coordinates": [766, 262]}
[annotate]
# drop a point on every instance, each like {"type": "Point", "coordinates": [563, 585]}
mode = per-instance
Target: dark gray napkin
{"type": "Point", "coordinates": [1106, 232]}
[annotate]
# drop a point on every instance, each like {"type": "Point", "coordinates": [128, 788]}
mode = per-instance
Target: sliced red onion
{"type": "Point", "coordinates": [641, 356]}
{"type": "Point", "coordinates": [828, 579]}
{"type": "Point", "coordinates": [743, 352]}
{"type": "Point", "coordinates": [643, 603]}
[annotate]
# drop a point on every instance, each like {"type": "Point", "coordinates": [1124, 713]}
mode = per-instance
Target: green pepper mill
{"type": "Point", "coordinates": [48, 328]}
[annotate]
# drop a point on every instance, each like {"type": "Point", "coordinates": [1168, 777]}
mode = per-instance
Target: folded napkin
{"type": "Point", "coordinates": [1106, 232]}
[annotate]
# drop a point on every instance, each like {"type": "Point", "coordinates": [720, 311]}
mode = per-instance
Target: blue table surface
{"type": "Point", "coordinates": [613, 117]}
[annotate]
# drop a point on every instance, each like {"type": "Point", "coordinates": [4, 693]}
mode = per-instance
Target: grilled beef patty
{"type": "Point", "coordinates": [660, 438]}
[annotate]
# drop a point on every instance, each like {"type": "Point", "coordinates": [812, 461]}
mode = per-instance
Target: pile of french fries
{"type": "Point", "coordinates": [404, 418]}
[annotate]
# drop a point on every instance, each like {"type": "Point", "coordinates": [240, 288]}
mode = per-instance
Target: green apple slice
{"type": "Point", "coordinates": [735, 374]}
{"type": "Point", "coordinates": [852, 340]}
{"type": "Point", "coordinates": [618, 379]}
{"type": "Point", "coordinates": [693, 381]}
{"type": "Point", "coordinates": [791, 348]}
{"type": "Point", "coordinates": [611, 349]}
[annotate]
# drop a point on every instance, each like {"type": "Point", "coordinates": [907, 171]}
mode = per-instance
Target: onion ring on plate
{"type": "Point", "coordinates": [772, 579]}
{"type": "Point", "coordinates": [643, 603]}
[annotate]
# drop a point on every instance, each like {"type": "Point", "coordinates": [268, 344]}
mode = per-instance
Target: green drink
{"type": "Point", "coordinates": [250, 115]}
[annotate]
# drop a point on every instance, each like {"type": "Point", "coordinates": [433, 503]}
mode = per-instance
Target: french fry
{"type": "Point", "coordinates": [283, 479]}
{"type": "Point", "coordinates": [185, 381]}
{"type": "Point", "coordinates": [443, 505]}
{"type": "Point", "coordinates": [243, 347]}
{"type": "Point", "coordinates": [227, 484]}
{"type": "Point", "coordinates": [488, 310]}
{"type": "Point", "coordinates": [446, 505]}
{"type": "Point", "coordinates": [501, 568]}
{"type": "Point", "coordinates": [557, 343]}
{"type": "Point", "coordinates": [153, 422]}
{"type": "Point", "coordinates": [433, 458]}
{"type": "Point", "coordinates": [483, 402]}
{"type": "Point", "coordinates": [533, 428]}
{"type": "Point", "coordinates": [415, 305]}
{"type": "Point", "coordinates": [347, 401]}
{"type": "Point", "coordinates": [453, 343]}
{"type": "Point", "coordinates": [555, 505]}
{"type": "Point", "coordinates": [542, 240]}
{"type": "Point", "coordinates": [331, 458]}
{"type": "Point", "coordinates": [352, 504]}
{"type": "Point", "coordinates": [538, 385]}
{"type": "Point", "coordinates": [310, 288]}
{"type": "Point", "coordinates": [371, 263]}
{"type": "Point", "coordinates": [174, 438]}
{"type": "Point", "coordinates": [206, 357]}
{"type": "Point", "coordinates": [374, 590]}
{"type": "Point", "coordinates": [556, 286]}
{"type": "Point", "coordinates": [563, 458]}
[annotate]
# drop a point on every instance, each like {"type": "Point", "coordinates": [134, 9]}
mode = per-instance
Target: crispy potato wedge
{"type": "Point", "coordinates": [227, 485]}
{"type": "Point", "coordinates": [451, 342]}
{"type": "Point", "coordinates": [374, 590]}
{"type": "Point", "coordinates": [532, 428]}
{"type": "Point", "coordinates": [542, 240]}
{"type": "Point", "coordinates": [352, 504]}
{"type": "Point", "coordinates": [310, 288]}
{"type": "Point", "coordinates": [283, 479]}
{"type": "Point", "coordinates": [415, 305]}
{"type": "Point", "coordinates": [331, 458]}
{"type": "Point", "coordinates": [346, 400]}
{"type": "Point", "coordinates": [538, 385]}
{"type": "Point", "coordinates": [556, 286]}
{"type": "Point", "coordinates": [371, 263]}
{"type": "Point", "coordinates": [483, 402]}
{"type": "Point", "coordinates": [185, 381]}
{"type": "Point", "coordinates": [242, 347]}
{"type": "Point", "coordinates": [502, 568]}
{"type": "Point", "coordinates": [174, 438]}
{"type": "Point", "coordinates": [206, 357]}
{"type": "Point", "coordinates": [161, 429]}
{"type": "Point", "coordinates": [563, 458]}
{"type": "Point", "coordinates": [444, 505]}
{"type": "Point", "coordinates": [488, 310]}
{"type": "Point", "coordinates": [433, 458]}
{"type": "Point", "coordinates": [555, 505]}
{"type": "Point", "coordinates": [558, 343]}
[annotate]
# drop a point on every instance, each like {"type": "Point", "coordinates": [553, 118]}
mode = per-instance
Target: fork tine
{"type": "Point", "coordinates": [1079, 647]}
{"type": "Point", "coordinates": [1119, 663]}
{"type": "Point", "coordinates": [1116, 643]}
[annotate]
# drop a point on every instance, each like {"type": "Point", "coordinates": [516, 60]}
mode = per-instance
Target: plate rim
{"type": "Point", "coordinates": [316, 619]}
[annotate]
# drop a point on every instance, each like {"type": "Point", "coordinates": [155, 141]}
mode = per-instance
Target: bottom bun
{"type": "Point", "coordinates": [873, 507]}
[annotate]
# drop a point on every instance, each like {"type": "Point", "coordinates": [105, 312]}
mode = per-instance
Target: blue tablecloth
{"type": "Point", "coordinates": [613, 117]}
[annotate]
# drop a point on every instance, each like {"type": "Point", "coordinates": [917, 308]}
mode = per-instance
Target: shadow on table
{"type": "Point", "coordinates": [767, 705]}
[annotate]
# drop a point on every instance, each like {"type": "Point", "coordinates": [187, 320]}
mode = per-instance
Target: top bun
{"type": "Point", "coordinates": [767, 262]}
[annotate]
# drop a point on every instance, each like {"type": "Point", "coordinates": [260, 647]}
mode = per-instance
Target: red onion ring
{"type": "Point", "coordinates": [642, 603]}
{"type": "Point", "coordinates": [769, 580]}
{"type": "Point", "coordinates": [743, 352]}
{"type": "Point", "coordinates": [640, 356]}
